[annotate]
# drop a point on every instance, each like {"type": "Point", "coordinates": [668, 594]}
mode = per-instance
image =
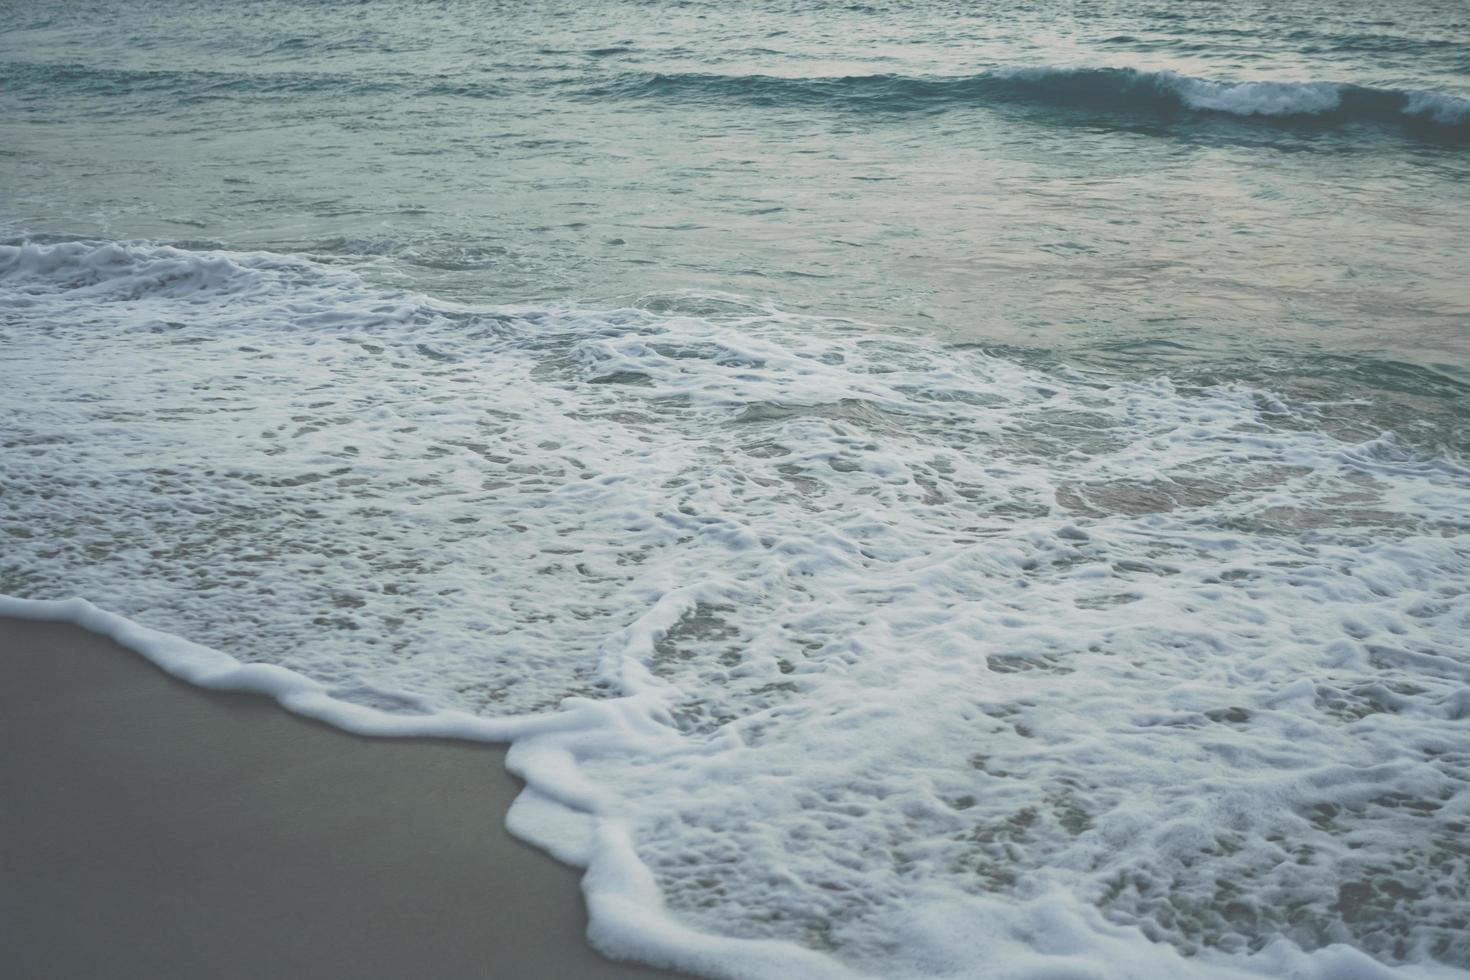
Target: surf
{"type": "Point", "coordinates": [819, 643]}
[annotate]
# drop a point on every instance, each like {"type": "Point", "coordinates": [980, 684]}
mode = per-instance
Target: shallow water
{"type": "Point", "coordinates": [987, 492]}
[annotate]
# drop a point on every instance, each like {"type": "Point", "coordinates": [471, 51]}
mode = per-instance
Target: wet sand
{"type": "Point", "coordinates": [151, 829]}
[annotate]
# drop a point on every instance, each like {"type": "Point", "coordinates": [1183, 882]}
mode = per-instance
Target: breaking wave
{"type": "Point", "coordinates": [1114, 90]}
{"type": "Point", "coordinates": [1125, 91]}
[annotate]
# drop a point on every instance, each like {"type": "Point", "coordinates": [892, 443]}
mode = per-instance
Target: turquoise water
{"type": "Point", "coordinates": [929, 489]}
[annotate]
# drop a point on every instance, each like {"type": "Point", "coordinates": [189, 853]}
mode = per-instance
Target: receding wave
{"type": "Point", "coordinates": [1114, 90]}
{"type": "Point", "coordinates": [820, 646]}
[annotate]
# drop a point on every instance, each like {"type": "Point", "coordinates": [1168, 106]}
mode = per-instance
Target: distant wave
{"type": "Point", "coordinates": [183, 87]}
{"type": "Point", "coordinates": [1124, 90]}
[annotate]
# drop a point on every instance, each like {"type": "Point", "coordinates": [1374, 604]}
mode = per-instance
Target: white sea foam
{"type": "Point", "coordinates": [1257, 98]}
{"type": "Point", "coordinates": [1269, 98]}
{"type": "Point", "coordinates": [1141, 88]}
{"type": "Point", "coordinates": [827, 653]}
{"type": "Point", "coordinates": [1445, 109]}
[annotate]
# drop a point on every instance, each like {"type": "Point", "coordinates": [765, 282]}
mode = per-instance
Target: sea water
{"type": "Point", "coordinates": [928, 490]}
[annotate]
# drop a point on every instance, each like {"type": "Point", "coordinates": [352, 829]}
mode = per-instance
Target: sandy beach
{"type": "Point", "coordinates": [149, 829]}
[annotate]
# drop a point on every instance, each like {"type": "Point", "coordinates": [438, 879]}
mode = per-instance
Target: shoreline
{"type": "Point", "coordinates": [152, 828]}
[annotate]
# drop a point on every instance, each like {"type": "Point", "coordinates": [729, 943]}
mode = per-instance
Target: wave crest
{"type": "Point", "coordinates": [136, 283]}
{"type": "Point", "coordinates": [1116, 90]}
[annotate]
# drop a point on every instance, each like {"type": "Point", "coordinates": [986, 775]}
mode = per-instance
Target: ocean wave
{"type": "Point", "coordinates": [43, 83]}
{"type": "Point", "coordinates": [1118, 90]}
{"type": "Point", "coordinates": [140, 286]}
{"type": "Point", "coordinates": [1125, 91]}
{"type": "Point", "coordinates": [829, 652]}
